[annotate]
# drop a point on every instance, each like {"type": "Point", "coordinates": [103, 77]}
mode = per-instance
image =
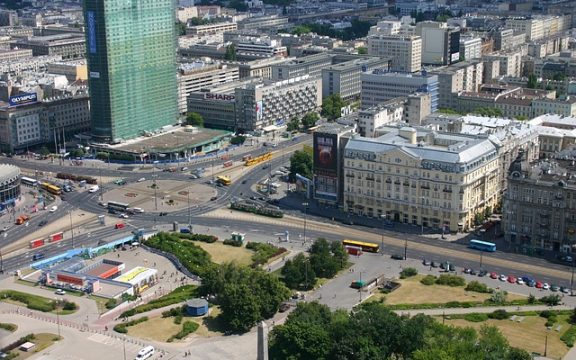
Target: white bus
{"type": "Point", "coordinates": [26, 181]}
{"type": "Point", "coordinates": [145, 353]}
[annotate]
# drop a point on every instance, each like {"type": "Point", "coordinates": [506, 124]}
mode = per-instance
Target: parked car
{"type": "Point", "coordinates": [482, 273]}
{"type": "Point", "coordinates": [473, 272]}
{"type": "Point", "coordinates": [466, 271]}
{"type": "Point", "coordinates": [434, 264]}
{"type": "Point", "coordinates": [163, 213]}
{"type": "Point", "coordinates": [60, 292]}
{"type": "Point", "coordinates": [519, 281]}
{"type": "Point", "coordinates": [42, 223]}
{"type": "Point", "coordinates": [244, 182]}
{"type": "Point", "coordinates": [531, 283]}
{"type": "Point", "coordinates": [493, 275]}
{"type": "Point", "coordinates": [184, 168]}
{"type": "Point", "coordinates": [546, 286]}
{"type": "Point", "coordinates": [512, 279]}
{"type": "Point", "coordinates": [214, 198]}
{"type": "Point", "coordinates": [555, 288]}
{"type": "Point", "coordinates": [565, 290]}
{"type": "Point", "coordinates": [539, 285]}
{"type": "Point", "coordinates": [123, 216]}
{"type": "Point", "coordinates": [425, 262]}
{"type": "Point", "coordinates": [284, 307]}
{"type": "Point", "coordinates": [397, 257]}
{"type": "Point", "coordinates": [141, 179]}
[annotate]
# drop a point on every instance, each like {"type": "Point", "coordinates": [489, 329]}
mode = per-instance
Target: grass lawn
{"type": "Point", "coordinates": [529, 334]}
{"type": "Point", "coordinates": [42, 341]}
{"type": "Point", "coordinates": [413, 292]}
{"type": "Point", "coordinates": [211, 325]}
{"type": "Point", "coordinates": [33, 302]}
{"type": "Point", "coordinates": [100, 303]}
{"type": "Point", "coordinates": [156, 329]}
{"type": "Point", "coordinates": [221, 253]}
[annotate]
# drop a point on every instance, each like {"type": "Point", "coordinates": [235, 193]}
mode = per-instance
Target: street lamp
{"type": "Point", "coordinates": [481, 254]}
{"type": "Point", "coordinates": [154, 185]}
{"type": "Point", "coordinates": [361, 286]}
{"type": "Point", "coordinates": [383, 216]}
{"type": "Point", "coordinates": [305, 204]}
{"type": "Point", "coordinates": [71, 228]}
{"type": "Point", "coordinates": [189, 213]}
{"type": "Point", "coordinates": [124, 346]}
{"type": "Point", "coordinates": [101, 185]}
{"type": "Point", "coordinates": [422, 217]}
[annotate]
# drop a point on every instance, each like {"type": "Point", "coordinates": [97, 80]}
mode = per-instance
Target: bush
{"type": "Point", "coordinates": [408, 272]}
{"type": "Point", "coordinates": [499, 314]}
{"type": "Point", "coordinates": [69, 306]}
{"type": "Point", "coordinates": [498, 297]}
{"type": "Point", "coordinates": [551, 321]}
{"type": "Point", "coordinates": [172, 312]}
{"type": "Point", "coordinates": [199, 237]}
{"type": "Point", "coordinates": [450, 280]}
{"type": "Point", "coordinates": [264, 211]}
{"type": "Point", "coordinates": [33, 302]}
{"type": "Point", "coordinates": [475, 317]}
{"type": "Point", "coordinates": [236, 243]}
{"type": "Point", "coordinates": [551, 300]}
{"type": "Point", "coordinates": [263, 252]}
{"type": "Point", "coordinates": [176, 296]}
{"type": "Point", "coordinates": [178, 319]}
{"type": "Point", "coordinates": [8, 327]}
{"type": "Point", "coordinates": [123, 327]}
{"type": "Point", "coordinates": [111, 304]}
{"type": "Point", "coordinates": [188, 328]}
{"type": "Point", "coordinates": [478, 287]}
{"type": "Point", "coordinates": [428, 280]}
{"type": "Point", "coordinates": [569, 336]}
{"type": "Point", "coordinates": [547, 314]}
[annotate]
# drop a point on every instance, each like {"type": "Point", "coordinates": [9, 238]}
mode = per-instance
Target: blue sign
{"type": "Point", "coordinates": [21, 99]}
{"type": "Point", "coordinates": [91, 20]}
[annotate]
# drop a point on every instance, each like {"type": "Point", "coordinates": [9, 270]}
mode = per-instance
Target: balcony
{"type": "Point", "coordinates": [447, 190]}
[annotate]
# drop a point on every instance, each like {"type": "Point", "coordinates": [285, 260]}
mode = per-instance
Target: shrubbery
{"type": "Point", "coordinates": [69, 306]}
{"type": "Point", "coordinates": [111, 304]}
{"type": "Point", "coordinates": [33, 302]}
{"type": "Point", "coordinates": [476, 317]}
{"type": "Point", "coordinates": [551, 300]}
{"type": "Point", "coordinates": [569, 336]}
{"type": "Point", "coordinates": [263, 252]}
{"type": "Point", "coordinates": [450, 280]}
{"type": "Point", "coordinates": [123, 327]}
{"type": "Point", "coordinates": [199, 237]}
{"type": "Point", "coordinates": [499, 314]}
{"type": "Point", "coordinates": [231, 242]}
{"type": "Point", "coordinates": [428, 280]}
{"type": "Point", "coordinates": [8, 327]}
{"type": "Point", "coordinates": [178, 295]}
{"type": "Point", "coordinates": [188, 328]}
{"type": "Point", "coordinates": [478, 287]}
{"type": "Point", "coordinates": [408, 272]}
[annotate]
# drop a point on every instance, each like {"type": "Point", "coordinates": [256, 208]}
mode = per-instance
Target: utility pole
{"type": "Point", "coordinates": [155, 186]}
{"type": "Point", "coordinates": [405, 249]}
{"type": "Point", "coordinates": [481, 254]}
{"type": "Point", "coordinates": [124, 346]}
{"type": "Point", "coordinates": [71, 228]}
{"type": "Point", "coordinates": [360, 288]}
{"type": "Point", "coordinates": [101, 185]}
{"type": "Point", "coordinates": [1, 263]}
{"type": "Point", "coordinates": [305, 204]}
{"type": "Point", "coordinates": [189, 212]}
{"type": "Point", "coordinates": [571, 278]}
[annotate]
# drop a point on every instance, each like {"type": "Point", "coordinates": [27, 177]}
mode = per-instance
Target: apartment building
{"type": "Point", "coordinates": [453, 79]}
{"type": "Point", "coordinates": [211, 29]}
{"type": "Point", "coordinates": [14, 54]}
{"type": "Point", "coordinates": [344, 78]}
{"type": "Point", "coordinates": [422, 177]}
{"type": "Point", "coordinates": [405, 51]}
{"type": "Point", "coordinates": [563, 106]}
{"type": "Point", "coordinates": [69, 46]}
{"type": "Point", "coordinates": [263, 22]}
{"type": "Point", "coordinates": [391, 111]}
{"type": "Point", "coordinates": [378, 87]}
{"type": "Point", "coordinates": [440, 43]}
{"type": "Point", "coordinates": [470, 48]}
{"type": "Point", "coordinates": [258, 48]}
{"type": "Point", "coordinates": [510, 63]}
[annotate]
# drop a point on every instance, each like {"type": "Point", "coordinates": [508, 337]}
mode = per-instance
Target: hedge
{"type": "Point", "coordinates": [178, 295]}
{"type": "Point", "coordinates": [236, 243]}
{"type": "Point", "coordinates": [8, 327]}
{"type": "Point", "coordinates": [33, 302]}
{"type": "Point", "coordinates": [428, 280]}
{"type": "Point", "coordinates": [199, 237]}
{"type": "Point", "coordinates": [450, 280]}
{"type": "Point", "coordinates": [476, 317]}
{"type": "Point", "coordinates": [408, 272]}
{"type": "Point", "coordinates": [263, 252]}
{"type": "Point", "coordinates": [499, 314]}
{"type": "Point", "coordinates": [478, 287]}
{"type": "Point", "coordinates": [187, 328]}
{"type": "Point", "coordinates": [123, 327]}
{"type": "Point", "coordinates": [569, 336]}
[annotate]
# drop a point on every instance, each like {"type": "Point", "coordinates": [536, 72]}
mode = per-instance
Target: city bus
{"type": "Point", "coordinates": [482, 245]}
{"type": "Point", "coordinates": [366, 246]}
{"type": "Point", "coordinates": [26, 181]}
{"type": "Point", "coordinates": [52, 189]}
{"type": "Point", "coordinates": [117, 206]}
{"type": "Point", "coordinates": [224, 180]}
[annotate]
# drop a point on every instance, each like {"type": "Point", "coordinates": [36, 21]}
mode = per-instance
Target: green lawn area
{"type": "Point", "coordinates": [42, 341]}
{"type": "Point", "coordinates": [221, 253]}
{"type": "Point", "coordinates": [412, 291]}
{"type": "Point", "coordinates": [100, 303]}
{"type": "Point", "coordinates": [33, 302]}
{"type": "Point", "coordinates": [8, 327]}
{"type": "Point", "coordinates": [530, 334]}
{"type": "Point", "coordinates": [178, 295]}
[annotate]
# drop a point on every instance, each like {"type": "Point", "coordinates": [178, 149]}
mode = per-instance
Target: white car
{"type": "Point", "coordinates": [60, 292]}
{"type": "Point", "coordinates": [53, 208]}
{"type": "Point", "coordinates": [123, 216]}
{"type": "Point", "coordinates": [94, 188]}
{"type": "Point", "coordinates": [503, 278]}
{"type": "Point", "coordinates": [519, 281]}
{"type": "Point", "coordinates": [545, 286]}
{"type": "Point", "coordinates": [141, 179]}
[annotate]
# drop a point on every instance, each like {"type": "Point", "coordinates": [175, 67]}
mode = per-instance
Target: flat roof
{"type": "Point", "coordinates": [173, 140]}
{"type": "Point", "coordinates": [100, 269]}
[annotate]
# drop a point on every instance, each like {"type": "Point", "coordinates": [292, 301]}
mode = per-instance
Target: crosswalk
{"type": "Point", "coordinates": [117, 342]}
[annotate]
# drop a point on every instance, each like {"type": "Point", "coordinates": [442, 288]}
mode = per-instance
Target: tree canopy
{"type": "Point", "coordinates": [301, 163]}
{"type": "Point", "coordinates": [230, 53]}
{"type": "Point", "coordinates": [293, 124]}
{"type": "Point", "coordinates": [371, 331]}
{"type": "Point", "coordinates": [194, 119]}
{"type": "Point", "coordinates": [358, 29]}
{"type": "Point", "coordinates": [332, 106]}
{"type": "Point", "coordinates": [309, 120]}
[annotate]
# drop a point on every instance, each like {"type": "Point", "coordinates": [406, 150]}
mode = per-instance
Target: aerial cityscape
{"type": "Point", "coordinates": [287, 179]}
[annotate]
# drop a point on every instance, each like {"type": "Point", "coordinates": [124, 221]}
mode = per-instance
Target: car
{"type": "Point", "coordinates": [262, 198]}
{"type": "Point", "coordinates": [546, 286]}
{"type": "Point", "coordinates": [184, 168]}
{"type": "Point", "coordinates": [163, 213]}
{"type": "Point", "coordinates": [62, 197]}
{"type": "Point", "coordinates": [38, 256]}
{"type": "Point", "coordinates": [42, 223]}
{"type": "Point", "coordinates": [519, 281]}
{"type": "Point", "coordinates": [141, 179]}
{"type": "Point", "coordinates": [555, 288]}
{"type": "Point", "coordinates": [565, 290]}
{"type": "Point", "coordinates": [426, 262]}
{"type": "Point", "coordinates": [123, 216]}
{"type": "Point", "coordinates": [244, 182]}
{"type": "Point", "coordinates": [103, 204]}
{"type": "Point", "coordinates": [397, 257]}
{"type": "Point", "coordinates": [539, 285]}
{"type": "Point", "coordinates": [493, 275]}
{"type": "Point", "coordinates": [284, 307]}
{"type": "Point", "coordinates": [434, 264]}
{"type": "Point", "coordinates": [512, 279]}
{"type": "Point", "coordinates": [120, 182]}
{"type": "Point", "coordinates": [503, 277]}
{"type": "Point", "coordinates": [482, 273]}
{"type": "Point", "coordinates": [53, 208]}
{"type": "Point", "coordinates": [193, 176]}
{"type": "Point", "coordinates": [273, 201]}
{"type": "Point", "coordinates": [450, 267]}
{"type": "Point", "coordinates": [60, 292]}
{"type": "Point", "coordinates": [473, 272]}
{"type": "Point", "coordinates": [253, 198]}
{"type": "Point", "coordinates": [94, 188]}
{"type": "Point", "coordinates": [466, 271]}
{"type": "Point", "coordinates": [531, 283]}
{"type": "Point", "coordinates": [214, 198]}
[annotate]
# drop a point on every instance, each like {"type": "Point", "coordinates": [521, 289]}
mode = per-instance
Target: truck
{"type": "Point", "coordinates": [22, 219]}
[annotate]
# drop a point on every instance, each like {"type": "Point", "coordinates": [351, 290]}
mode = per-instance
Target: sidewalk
{"type": "Point", "coordinates": [482, 309]}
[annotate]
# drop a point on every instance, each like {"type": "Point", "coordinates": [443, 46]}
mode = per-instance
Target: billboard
{"type": "Point", "coordinates": [22, 99]}
{"type": "Point", "coordinates": [91, 28]}
{"type": "Point", "coordinates": [222, 97]}
{"type": "Point", "coordinates": [259, 110]}
{"type": "Point", "coordinates": [325, 154]}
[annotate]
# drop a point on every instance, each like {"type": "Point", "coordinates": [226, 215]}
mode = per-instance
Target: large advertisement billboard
{"type": "Point", "coordinates": [21, 99]}
{"type": "Point", "coordinates": [325, 154]}
{"type": "Point", "coordinates": [91, 28]}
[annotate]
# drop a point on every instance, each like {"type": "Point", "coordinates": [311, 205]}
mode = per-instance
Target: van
{"type": "Point", "coordinates": [38, 256]}
{"type": "Point", "coordinates": [138, 210]}
{"type": "Point", "coordinates": [145, 353]}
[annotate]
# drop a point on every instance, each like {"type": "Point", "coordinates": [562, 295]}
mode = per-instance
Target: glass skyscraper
{"type": "Point", "coordinates": [131, 51]}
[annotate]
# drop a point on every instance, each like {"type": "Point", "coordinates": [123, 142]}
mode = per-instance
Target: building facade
{"type": "Point", "coordinates": [440, 43]}
{"type": "Point", "coordinates": [132, 67]}
{"type": "Point", "coordinates": [14, 54]}
{"type": "Point", "coordinates": [453, 79]}
{"type": "Point", "coordinates": [9, 185]}
{"type": "Point", "coordinates": [404, 50]}
{"type": "Point", "coordinates": [345, 78]}
{"type": "Point", "coordinates": [69, 46]}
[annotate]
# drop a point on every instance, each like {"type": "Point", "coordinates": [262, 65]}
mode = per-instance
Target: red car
{"type": "Point", "coordinates": [493, 275]}
{"type": "Point", "coordinates": [512, 279]}
{"type": "Point", "coordinates": [539, 285]}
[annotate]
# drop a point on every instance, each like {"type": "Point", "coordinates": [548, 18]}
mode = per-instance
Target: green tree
{"type": "Point", "coordinates": [78, 152]}
{"type": "Point", "coordinates": [180, 28]}
{"type": "Point", "coordinates": [448, 111]}
{"type": "Point", "coordinates": [339, 253]}
{"type": "Point", "coordinates": [44, 151]}
{"type": "Point", "coordinates": [300, 163]}
{"type": "Point", "coordinates": [238, 5]}
{"type": "Point", "coordinates": [238, 140]}
{"type": "Point", "coordinates": [301, 29]}
{"type": "Point", "coordinates": [230, 53]}
{"type": "Point", "coordinates": [240, 306]}
{"type": "Point", "coordinates": [532, 81]}
{"type": "Point", "coordinates": [298, 273]}
{"type": "Point", "coordinates": [195, 21]}
{"type": "Point", "coordinates": [321, 259]}
{"type": "Point", "coordinates": [498, 297]}
{"type": "Point", "coordinates": [293, 125]}
{"type": "Point", "coordinates": [332, 106]}
{"type": "Point", "coordinates": [194, 119]}
{"type": "Point", "coordinates": [309, 120]}
{"type": "Point", "coordinates": [362, 50]}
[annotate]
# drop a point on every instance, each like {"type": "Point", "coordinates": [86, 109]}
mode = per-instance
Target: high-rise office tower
{"type": "Point", "coordinates": [130, 46]}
